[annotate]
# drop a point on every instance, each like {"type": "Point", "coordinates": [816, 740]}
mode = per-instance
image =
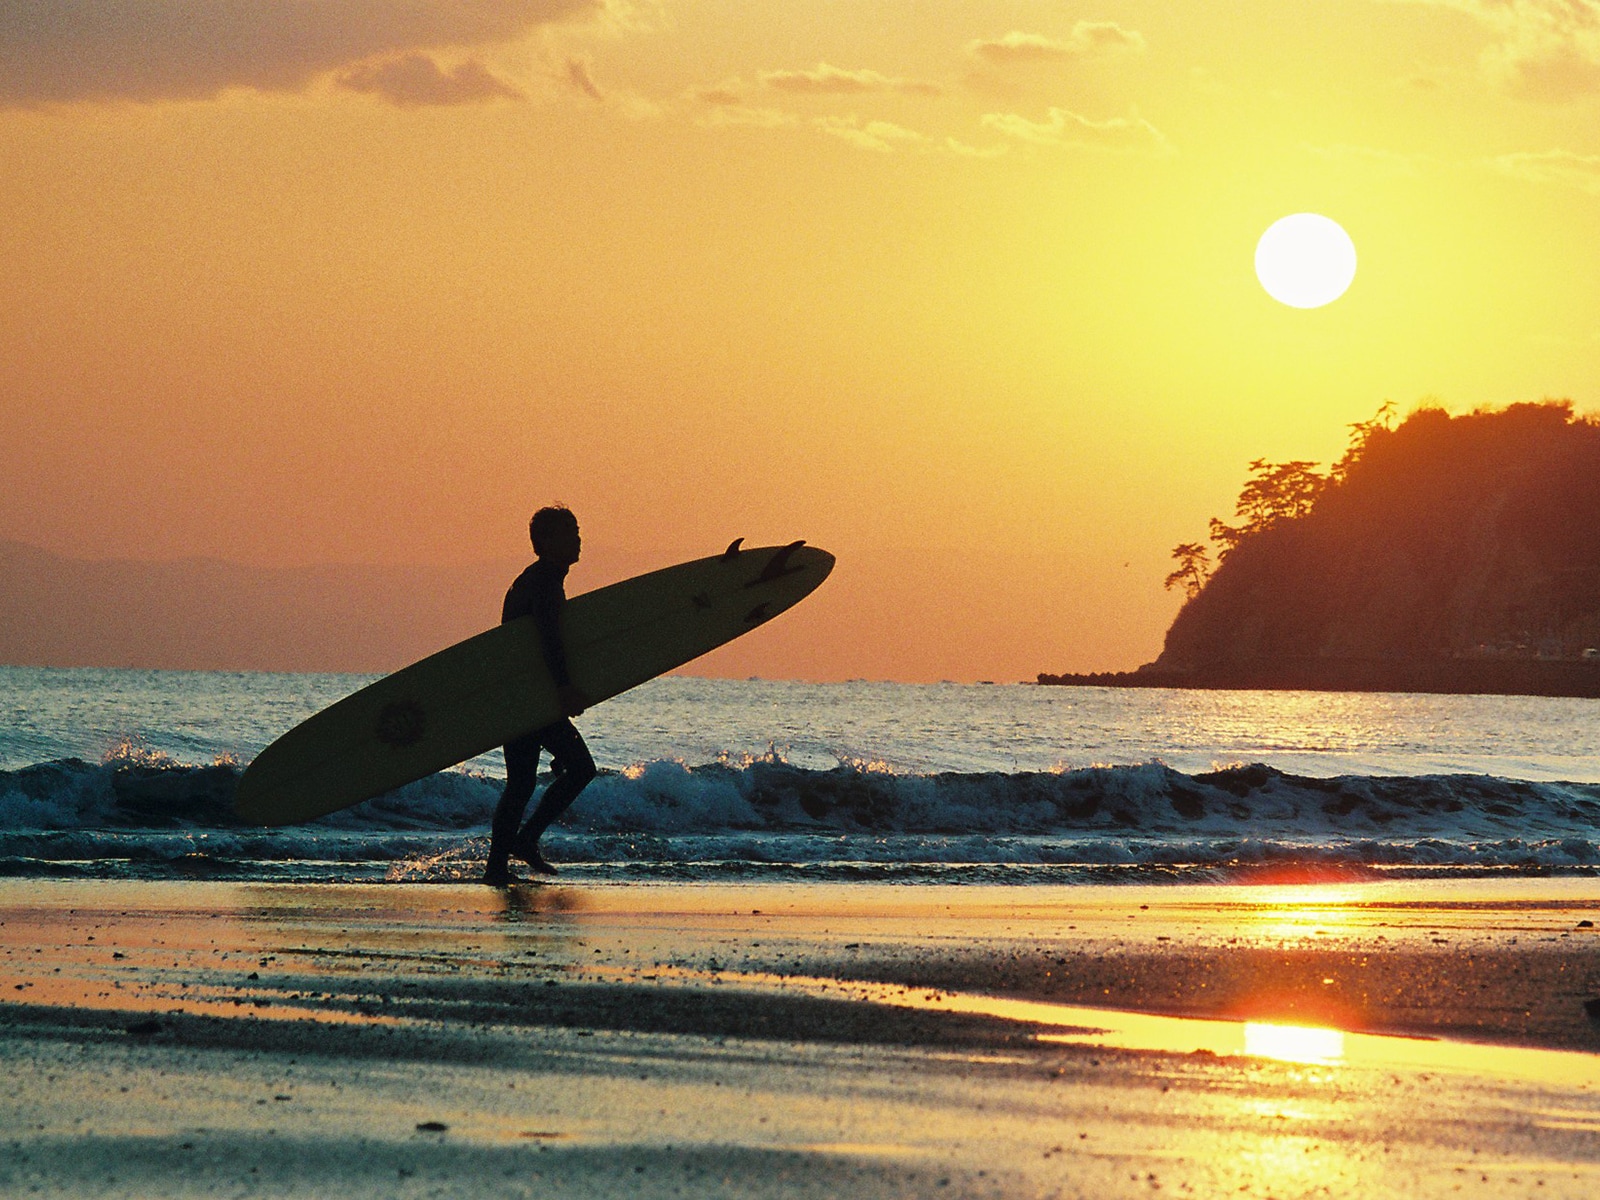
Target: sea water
{"type": "Point", "coordinates": [131, 773]}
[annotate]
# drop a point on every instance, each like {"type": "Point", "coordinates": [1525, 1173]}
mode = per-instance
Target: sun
{"type": "Point", "coordinates": [1305, 260]}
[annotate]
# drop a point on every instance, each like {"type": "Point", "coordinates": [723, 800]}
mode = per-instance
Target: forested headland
{"type": "Point", "coordinates": [1441, 553]}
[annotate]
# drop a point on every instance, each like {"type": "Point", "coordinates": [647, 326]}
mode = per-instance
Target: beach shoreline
{"type": "Point", "coordinates": [867, 1023]}
{"type": "Point", "coordinates": [1509, 960]}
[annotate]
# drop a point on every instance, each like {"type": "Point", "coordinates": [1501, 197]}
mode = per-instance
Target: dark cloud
{"type": "Point", "coordinates": [415, 79]}
{"type": "Point", "coordinates": [67, 50]}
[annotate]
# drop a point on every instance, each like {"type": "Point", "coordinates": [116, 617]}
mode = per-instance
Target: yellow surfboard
{"type": "Point", "coordinates": [484, 691]}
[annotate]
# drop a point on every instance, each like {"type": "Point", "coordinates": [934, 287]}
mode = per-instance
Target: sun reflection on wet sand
{"type": "Point", "coordinates": [1300, 911]}
{"type": "Point", "coordinates": [1314, 1046]}
{"type": "Point", "coordinates": [1293, 1043]}
{"type": "Point", "coordinates": [1124, 1030]}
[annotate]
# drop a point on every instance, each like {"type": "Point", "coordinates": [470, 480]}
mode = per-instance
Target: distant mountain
{"type": "Point", "coordinates": [1447, 553]}
{"type": "Point", "coordinates": [206, 614]}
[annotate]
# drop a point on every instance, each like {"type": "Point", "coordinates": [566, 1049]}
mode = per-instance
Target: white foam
{"type": "Point", "coordinates": [141, 808]}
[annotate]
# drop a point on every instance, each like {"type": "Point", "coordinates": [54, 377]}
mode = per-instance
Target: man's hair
{"type": "Point", "coordinates": [550, 519]}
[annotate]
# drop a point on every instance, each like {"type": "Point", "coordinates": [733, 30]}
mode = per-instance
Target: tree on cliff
{"type": "Point", "coordinates": [1279, 492]}
{"type": "Point", "coordinates": [1361, 434]}
{"type": "Point", "coordinates": [1440, 536]}
{"type": "Point", "coordinates": [1194, 568]}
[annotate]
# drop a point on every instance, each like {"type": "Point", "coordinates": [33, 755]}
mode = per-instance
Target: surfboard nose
{"type": "Point", "coordinates": [810, 564]}
{"type": "Point", "coordinates": [820, 561]}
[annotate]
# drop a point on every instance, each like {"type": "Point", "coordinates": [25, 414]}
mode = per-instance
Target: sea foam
{"type": "Point", "coordinates": [153, 814]}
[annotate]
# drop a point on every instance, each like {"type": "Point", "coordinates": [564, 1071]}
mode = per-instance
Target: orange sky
{"type": "Point", "coordinates": [960, 291]}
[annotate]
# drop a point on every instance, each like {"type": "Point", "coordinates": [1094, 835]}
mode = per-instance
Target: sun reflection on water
{"type": "Point", "coordinates": [1293, 1043]}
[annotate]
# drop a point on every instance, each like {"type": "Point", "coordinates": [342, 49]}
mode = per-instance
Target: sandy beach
{"type": "Point", "coordinates": [876, 1040]}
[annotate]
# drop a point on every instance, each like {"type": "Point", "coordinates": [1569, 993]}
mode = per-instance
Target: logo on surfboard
{"type": "Point", "coordinates": [402, 723]}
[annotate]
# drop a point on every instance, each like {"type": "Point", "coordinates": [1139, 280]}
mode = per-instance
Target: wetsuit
{"type": "Point", "coordinates": [539, 592]}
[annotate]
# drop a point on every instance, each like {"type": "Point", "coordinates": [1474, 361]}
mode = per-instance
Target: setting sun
{"type": "Point", "coordinates": [1305, 260]}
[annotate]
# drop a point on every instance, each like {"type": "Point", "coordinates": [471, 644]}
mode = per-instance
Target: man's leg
{"type": "Point", "coordinates": [574, 768]}
{"type": "Point", "coordinates": [522, 772]}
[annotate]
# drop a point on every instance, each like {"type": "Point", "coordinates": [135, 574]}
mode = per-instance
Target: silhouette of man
{"type": "Point", "coordinates": [539, 592]}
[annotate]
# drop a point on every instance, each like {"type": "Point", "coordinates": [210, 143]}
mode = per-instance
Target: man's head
{"type": "Point", "coordinates": [554, 532]}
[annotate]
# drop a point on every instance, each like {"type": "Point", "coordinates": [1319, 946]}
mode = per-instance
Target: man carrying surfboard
{"type": "Point", "coordinates": [539, 592]}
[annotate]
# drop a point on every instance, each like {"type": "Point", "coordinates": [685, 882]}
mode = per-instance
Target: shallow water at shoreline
{"type": "Point", "coordinates": [727, 780]}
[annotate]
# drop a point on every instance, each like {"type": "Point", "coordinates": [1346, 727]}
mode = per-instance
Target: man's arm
{"type": "Point", "coordinates": [547, 619]}
{"type": "Point", "coordinates": [547, 607]}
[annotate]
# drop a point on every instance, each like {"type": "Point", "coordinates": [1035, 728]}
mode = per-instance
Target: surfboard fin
{"type": "Point", "coordinates": [757, 614]}
{"type": "Point", "coordinates": [732, 551]}
{"type": "Point", "coordinates": [777, 565]}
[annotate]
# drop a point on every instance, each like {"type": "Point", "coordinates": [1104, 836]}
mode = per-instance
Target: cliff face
{"type": "Point", "coordinates": [1444, 538]}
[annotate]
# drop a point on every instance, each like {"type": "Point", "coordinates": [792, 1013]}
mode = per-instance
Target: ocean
{"type": "Point", "coordinates": [129, 774]}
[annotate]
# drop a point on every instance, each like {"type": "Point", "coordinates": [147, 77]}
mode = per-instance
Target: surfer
{"type": "Point", "coordinates": [539, 591]}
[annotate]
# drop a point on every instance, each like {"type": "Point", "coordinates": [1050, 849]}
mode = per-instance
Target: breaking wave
{"type": "Point", "coordinates": [146, 814]}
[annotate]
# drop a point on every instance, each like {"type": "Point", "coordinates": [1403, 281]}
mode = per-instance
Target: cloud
{"type": "Point", "coordinates": [965, 150]}
{"type": "Point", "coordinates": [1554, 74]}
{"type": "Point", "coordinates": [72, 50]}
{"type": "Point", "coordinates": [415, 79]}
{"type": "Point", "coordinates": [1088, 39]}
{"type": "Point", "coordinates": [1581, 171]}
{"type": "Point", "coordinates": [1393, 162]}
{"type": "Point", "coordinates": [1021, 48]}
{"type": "Point", "coordinates": [1562, 168]}
{"type": "Point", "coordinates": [834, 81]}
{"type": "Point", "coordinates": [1100, 37]}
{"type": "Point", "coordinates": [749, 117]}
{"type": "Point", "coordinates": [1127, 135]}
{"type": "Point", "coordinates": [882, 136]}
{"type": "Point", "coordinates": [580, 77]}
{"type": "Point", "coordinates": [721, 95]}
{"type": "Point", "coordinates": [1547, 50]}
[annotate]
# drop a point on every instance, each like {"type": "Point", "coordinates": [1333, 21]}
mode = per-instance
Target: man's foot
{"type": "Point", "coordinates": [528, 852]}
{"type": "Point", "coordinates": [498, 875]}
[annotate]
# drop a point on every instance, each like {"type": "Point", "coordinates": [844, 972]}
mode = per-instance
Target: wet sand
{"type": "Point", "coordinates": [875, 1040]}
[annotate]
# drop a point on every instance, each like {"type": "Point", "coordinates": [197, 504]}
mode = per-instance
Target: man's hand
{"type": "Point", "coordinates": [573, 702]}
